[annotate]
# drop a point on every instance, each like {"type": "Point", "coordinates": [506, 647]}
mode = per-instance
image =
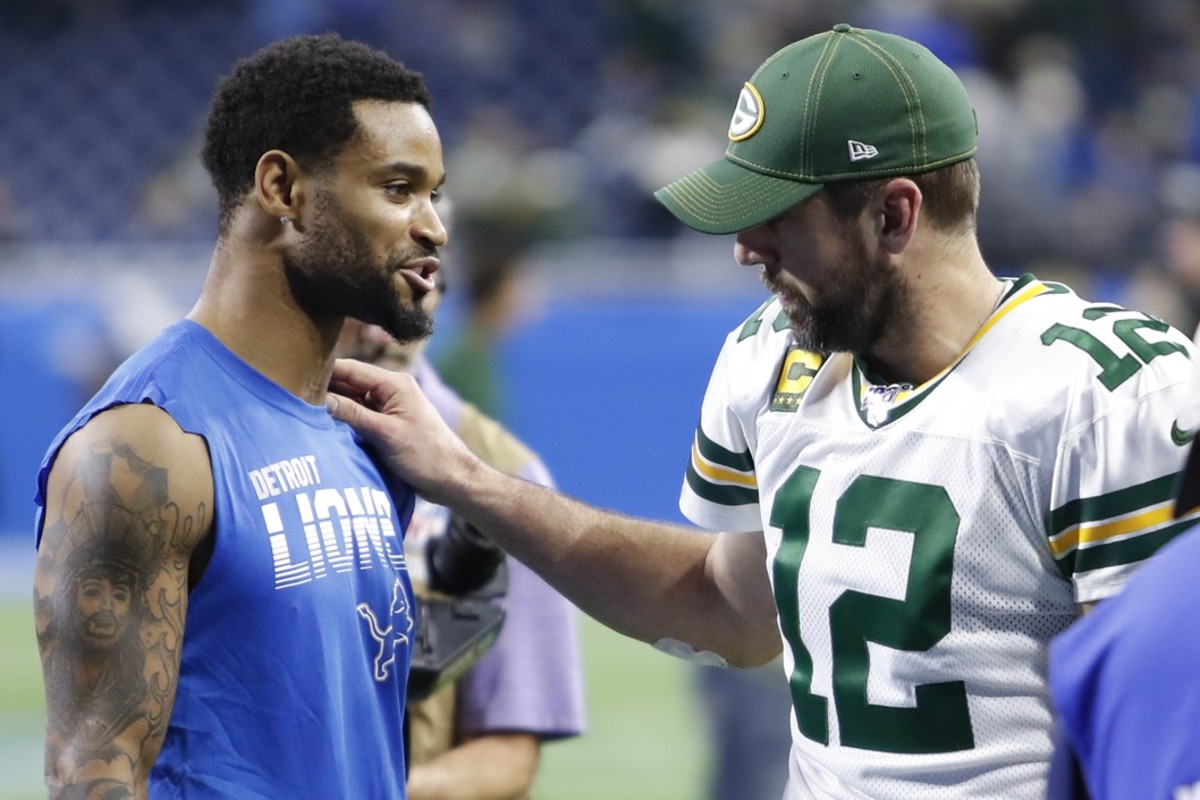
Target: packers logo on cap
{"type": "Point", "coordinates": [748, 116]}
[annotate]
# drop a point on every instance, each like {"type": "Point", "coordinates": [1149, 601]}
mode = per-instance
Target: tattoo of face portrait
{"type": "Point", "coordinates": [111, 596]}
{"type": "Point", "coordinates": [97, 666]}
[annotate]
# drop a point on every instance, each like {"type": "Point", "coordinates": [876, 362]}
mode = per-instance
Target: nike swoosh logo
{"type": "Point", "coordinates": [1179, 436]}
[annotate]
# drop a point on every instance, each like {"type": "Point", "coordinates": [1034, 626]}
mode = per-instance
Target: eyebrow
{"type": "Point", "coordinates": [416, 171]}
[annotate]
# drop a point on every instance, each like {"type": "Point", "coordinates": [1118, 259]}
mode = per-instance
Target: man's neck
{"type": "Point", "coordinates": [947, 304]}
{"type": "Point", "coordinates": [247, 305]}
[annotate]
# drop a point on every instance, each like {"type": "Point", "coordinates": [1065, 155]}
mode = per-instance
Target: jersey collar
{"type": "Point", "coordinates": [881, 404]}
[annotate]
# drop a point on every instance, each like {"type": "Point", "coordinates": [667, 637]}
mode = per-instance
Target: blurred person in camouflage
{"type": "Point", "coordinates": [479, 738]}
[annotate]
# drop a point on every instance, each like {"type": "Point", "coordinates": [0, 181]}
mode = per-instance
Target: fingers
{"type": "Point", "coordinates": [345, 409]}
{"type": "Point", "coordinates": [367, 422]}
{"type": "Point", "coordinates": [358, 377]}
{"type": "Point", "coordinates": [376, 388]}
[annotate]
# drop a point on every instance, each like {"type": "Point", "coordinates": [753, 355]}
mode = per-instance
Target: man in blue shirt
{"type": "Point", "coordinates": [223, 604]}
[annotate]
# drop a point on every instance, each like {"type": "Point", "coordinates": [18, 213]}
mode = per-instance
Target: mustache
{"type": "Point", "coordinates": [411, 254]}
{"type": "Point", "coordinates": [770, 280]}
{"type": "Point", "coordinates": [776, 286]}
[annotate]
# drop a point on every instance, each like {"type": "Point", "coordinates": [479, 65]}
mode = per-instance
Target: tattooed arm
{"type": "Point", "coordinates": [128, 501]}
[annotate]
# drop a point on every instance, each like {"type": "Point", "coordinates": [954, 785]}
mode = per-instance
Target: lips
{"type": "Point", "coordinates": [101, 627]}
{"type": "Point", "coordinates": [419, 273]}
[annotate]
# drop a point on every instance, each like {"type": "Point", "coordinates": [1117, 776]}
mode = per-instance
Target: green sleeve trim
{"type": "Point", "coordinates": [716, 454]}
{"type": "Point", "coordinates": [1125, 552]}
{"type": "Point", "coordinates": [721, 495]}
{"type": "Point", "coordinates": [1114, 504]}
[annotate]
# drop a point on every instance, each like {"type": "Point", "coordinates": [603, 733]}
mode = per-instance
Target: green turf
{"type": "Point", "coordinates": [644, 737]}
{"type": "Point", "coordinates": [21, 705]}
{"type": "Point", "coordinates": [20, 676]}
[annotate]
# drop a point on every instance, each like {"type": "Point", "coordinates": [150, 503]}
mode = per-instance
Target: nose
{"type": "Point", "coordinates": [750, 250]}
{"type": "Point", "coordinates": [428, 228]}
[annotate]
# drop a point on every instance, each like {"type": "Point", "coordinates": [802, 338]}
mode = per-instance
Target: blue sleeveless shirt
{"type": "Point", "coordinates": [298, 636]}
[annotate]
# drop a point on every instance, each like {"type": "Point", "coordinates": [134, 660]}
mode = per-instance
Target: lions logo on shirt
{"type": "Point", "coordinates": [393, 635]}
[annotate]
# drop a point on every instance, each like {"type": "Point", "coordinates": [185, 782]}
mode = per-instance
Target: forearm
{"type": "Point", "coordinates": [647, 580]}
{"type": "Point", "coordinates": [107, 788]}
{"type": "Point", "coordinates": [499, 766]}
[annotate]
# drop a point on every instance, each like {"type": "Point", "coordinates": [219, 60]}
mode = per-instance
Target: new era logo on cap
{"type": "Point", "coordinates": [860, 151]}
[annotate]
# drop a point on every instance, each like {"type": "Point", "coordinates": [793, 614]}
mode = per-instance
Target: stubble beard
{"type": "Point", "coordinates": [335, 273]}
{"type": "Point", "coordinates": [852, 314]}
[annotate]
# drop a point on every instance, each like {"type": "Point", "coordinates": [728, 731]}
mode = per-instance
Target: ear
{"type": "Point", "coordinates": [280, 186]}
{"type": "Point", "coordinates": [899, 211]}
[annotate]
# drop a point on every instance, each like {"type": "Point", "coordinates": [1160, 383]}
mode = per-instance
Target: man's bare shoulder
{"type": "Point", "coordinates": [136, 460]}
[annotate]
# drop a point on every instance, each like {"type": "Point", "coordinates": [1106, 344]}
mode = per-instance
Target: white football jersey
{"type": "Point", "coordinates": [926, 543]}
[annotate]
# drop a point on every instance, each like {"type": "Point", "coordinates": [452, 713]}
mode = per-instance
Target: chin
{"type": "Point", "coordinates": [409, 326]}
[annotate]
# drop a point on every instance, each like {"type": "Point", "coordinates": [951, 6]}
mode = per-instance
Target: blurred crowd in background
{"type": "Point", "coordinates": [562, 117]}
{"type": "Point", "coordinates": [559, 119]}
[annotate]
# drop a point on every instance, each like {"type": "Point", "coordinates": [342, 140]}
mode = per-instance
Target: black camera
{"type": "Point", "coordinates": [464, 561]}
{"type": "Point", "coordinates": [460, 615]}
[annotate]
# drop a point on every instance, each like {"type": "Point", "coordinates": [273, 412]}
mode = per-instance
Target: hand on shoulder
{"type": "Point", "coordinates": [389, 410]}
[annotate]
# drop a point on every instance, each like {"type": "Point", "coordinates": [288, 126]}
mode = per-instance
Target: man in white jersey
{"type": "Point", "coordinates": [921, 472]}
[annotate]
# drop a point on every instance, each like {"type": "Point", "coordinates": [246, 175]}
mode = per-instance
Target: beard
{"type": "Point", "coordinates": [852, 313]}
{"type": "Point", "coordinates": [336, 273]}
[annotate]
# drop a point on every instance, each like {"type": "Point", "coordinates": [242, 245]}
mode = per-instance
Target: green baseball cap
{"type": "Point", "coordinates": [847, 104]}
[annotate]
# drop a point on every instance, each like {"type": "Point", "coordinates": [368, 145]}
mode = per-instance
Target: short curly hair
{"type": "Point", "coordinates": [295, 95]}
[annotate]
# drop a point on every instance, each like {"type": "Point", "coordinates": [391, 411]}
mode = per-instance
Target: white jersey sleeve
{"type": "Point", "coordinates": [1121, 446]}
{"type": "Point", "coordinates": [720, 490]}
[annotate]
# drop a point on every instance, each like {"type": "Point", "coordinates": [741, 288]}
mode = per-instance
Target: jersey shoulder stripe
{"type": "Point", "coordinates": [1090, 519]}
{"type": "Point", "coordinates": [720, 475]}
{"type": "Point", "coordinates": [1121, 527]}
{"type": "Point", "coordinates": [1128, 551]}
{"type": "Point", "coordinates": [714, 454]}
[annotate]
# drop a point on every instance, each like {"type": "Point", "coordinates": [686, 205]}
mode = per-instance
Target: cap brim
{"type": "Point", "coordinates": [725, 197]}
